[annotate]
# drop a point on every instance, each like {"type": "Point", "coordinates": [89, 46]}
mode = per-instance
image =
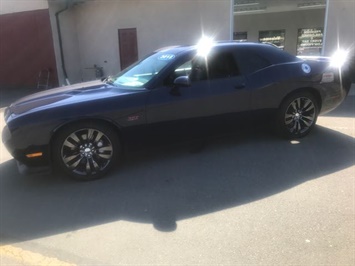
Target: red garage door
{"type": "Point", "coordinates": [26, 48]}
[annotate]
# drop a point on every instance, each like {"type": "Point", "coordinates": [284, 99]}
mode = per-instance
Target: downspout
{"type": "Point", "coordinates": [231, 13]}
{"type": "Point", "coordinates": [61, 42]}
{"type": "Point", "coordinates": [325, 28]}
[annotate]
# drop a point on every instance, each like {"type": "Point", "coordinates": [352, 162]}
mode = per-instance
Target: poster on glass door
{"type": "Point", "coordinates": [310, 42]}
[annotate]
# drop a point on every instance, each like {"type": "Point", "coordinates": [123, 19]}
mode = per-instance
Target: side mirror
{"type": "Point", "coordinates": [182, 81]}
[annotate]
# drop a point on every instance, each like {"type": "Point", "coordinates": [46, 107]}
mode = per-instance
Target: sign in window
{"type": "Point", "coordinates": [275, 37]}
{"type": "Point", "coordinates": [310, 42]}
{"type": "Point", "coordinates": [240, 36]}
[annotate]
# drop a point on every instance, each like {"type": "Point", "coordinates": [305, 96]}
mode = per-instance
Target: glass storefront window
{"type": "Point", "coordinates": [275, 37]}
{"type": "Point", "coordinates": [240, 36]}
{"type": "Point", "coordinates": [310, 42]}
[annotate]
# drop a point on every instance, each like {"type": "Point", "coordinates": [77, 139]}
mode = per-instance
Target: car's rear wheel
{"type": "Point", "coordinates": [86, 150]}
{"type": "Point", "coordinates": [297, 115]}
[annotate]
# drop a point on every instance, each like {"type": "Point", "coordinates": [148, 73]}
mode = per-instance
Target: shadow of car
{"type": "Point", "coordinates": [163, 186]}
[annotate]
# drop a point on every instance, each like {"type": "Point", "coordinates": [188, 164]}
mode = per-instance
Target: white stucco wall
{"type": "Point", "coordinates": [14, 6]}
{"type": "Point", "coordinates": [94, 30]}
{"type": "Point", "coordinates": [290, 21]}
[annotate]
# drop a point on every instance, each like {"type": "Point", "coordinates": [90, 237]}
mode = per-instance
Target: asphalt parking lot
{"type": "Point", "coordinates": [245, 199]}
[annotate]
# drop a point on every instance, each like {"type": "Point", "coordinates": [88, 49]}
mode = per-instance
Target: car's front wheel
{"type": "Point", "coordinates": [297, 115]}
{"type": "Point", "coordinates": [86, 150]}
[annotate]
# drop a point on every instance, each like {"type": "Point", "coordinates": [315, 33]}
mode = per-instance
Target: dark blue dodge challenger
{"type": "Point", "coordinates": [186, 90]}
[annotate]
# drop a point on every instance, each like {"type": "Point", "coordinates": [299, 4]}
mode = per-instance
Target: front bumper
{"type": "Point", "coordinates": [6, 136]}
{"type": "Point", "coordinates": [25, 163]}
{"type": "Point", "coordinates": [34, 170]}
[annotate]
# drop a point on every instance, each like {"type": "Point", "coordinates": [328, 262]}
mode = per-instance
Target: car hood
{"type": "Point", "coordinates": [80, 92]}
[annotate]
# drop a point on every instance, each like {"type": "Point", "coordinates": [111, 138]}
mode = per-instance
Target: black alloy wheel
{"type": "Point", "coordinates": [86, 151]}
{"type": "Point", "coordinates": [297, 115]}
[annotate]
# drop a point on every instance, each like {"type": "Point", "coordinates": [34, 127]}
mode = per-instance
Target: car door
{"type": "Point", "coordinates": [216, 93]}
{"type": "Point", "coordinates": [263, 79]}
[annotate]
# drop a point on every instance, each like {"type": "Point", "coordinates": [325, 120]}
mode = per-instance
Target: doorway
{"type": "Point", "coordinates": [128, 47]}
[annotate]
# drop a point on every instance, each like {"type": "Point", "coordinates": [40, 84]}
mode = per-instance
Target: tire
{"type": "Point", "coordinates": [297, 115]}
{"type": "Point", "coordinates": [86, 150]}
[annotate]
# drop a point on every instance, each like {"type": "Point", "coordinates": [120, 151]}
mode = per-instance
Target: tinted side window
{"type": "Point", "coordinates": [218, 65]}
{"type": "Point", "coordinates": [222, 65]}
{"type": "Point", "coordinates": [181, 70]}
{"type": "Point", "coordinates": [250, 62]}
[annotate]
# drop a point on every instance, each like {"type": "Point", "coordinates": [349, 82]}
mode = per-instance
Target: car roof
{"type": "Point", "coordinates": [215, 44]}
{"type": "Point", "coordinates": [267, 50]}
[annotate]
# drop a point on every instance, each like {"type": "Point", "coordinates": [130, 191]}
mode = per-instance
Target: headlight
{"type": "Point", "coordinates": [339, 58]}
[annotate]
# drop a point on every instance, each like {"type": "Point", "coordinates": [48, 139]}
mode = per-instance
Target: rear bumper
{"type": "Point", "coordinates": [346, 83]}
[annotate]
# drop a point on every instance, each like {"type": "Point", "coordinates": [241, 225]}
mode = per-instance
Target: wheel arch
{"type": "Point", "coordinates": [311, 90]}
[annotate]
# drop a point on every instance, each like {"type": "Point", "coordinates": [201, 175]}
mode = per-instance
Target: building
{"type": "Point", "coordinates": [26, 44]}
{"type": "Point", "coordinates": [80, 40]}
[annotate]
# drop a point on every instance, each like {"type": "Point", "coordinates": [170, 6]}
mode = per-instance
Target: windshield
{"type": "Point", "coordinates": [142, 72]}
